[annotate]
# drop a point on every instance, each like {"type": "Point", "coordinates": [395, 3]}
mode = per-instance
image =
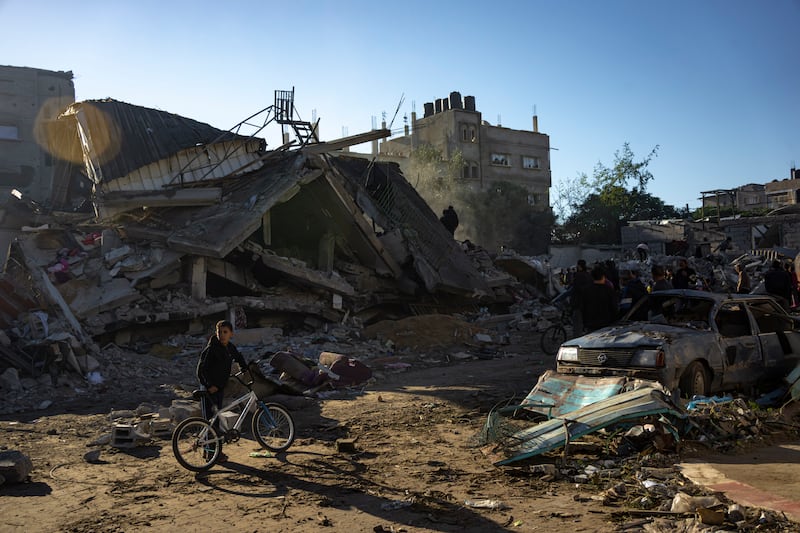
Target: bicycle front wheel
{"type": "Point", "coordinates": [552, 339]}
{"type": "Point", "coordinates": [273, 427]}
{"type": "Point", "coordinates": [196, 444]}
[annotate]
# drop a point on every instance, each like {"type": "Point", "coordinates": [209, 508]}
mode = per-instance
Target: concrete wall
{"type": "Point", "coordinates": [29, 99]}
{"type": "Point", "coordinates": [516, 145]}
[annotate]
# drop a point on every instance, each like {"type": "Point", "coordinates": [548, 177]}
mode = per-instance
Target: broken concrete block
{"type": "Point", "coordinates": [182, 409]}
{"type": "Point", "coordinates": [227, 419]}
{"type": "Point", "coordinates": [161, 428]}
{"type": "Point", "coordinates": [4, 340]}
{"type": "Point", "coordinates": [257, 335]}
{"type": "Point", "coordinates": [482, 337]}
{"type": "Point", "coordinates": [117, 254]}
{"type": "Point", "coordinates": [124, 436]}
{"type": "Point", "coordinates": [346, 445]}
{"type": "Point", "coordinates": [15, 466]}
{"type": "Point", "coordinates": [87, 363]}
{"type": "Point", "coordinates": [9, 380]}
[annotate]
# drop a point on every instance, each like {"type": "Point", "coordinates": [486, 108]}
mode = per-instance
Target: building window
{"type": "Point", "coordinates": [501, 160]}
{"type": "Point", "coordinates": [530, 162]}
{"type": "Point", "coordinates": [470, 170]}
{"type": "Point", "coordinates": [9, 133]}
{"type": "Point", "coordinates": [468, 133]}
{"type": "Point", "coordinates": [534, 198]}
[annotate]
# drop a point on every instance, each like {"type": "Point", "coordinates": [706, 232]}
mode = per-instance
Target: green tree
{"type": "Point", "coordinates": [604, 202]}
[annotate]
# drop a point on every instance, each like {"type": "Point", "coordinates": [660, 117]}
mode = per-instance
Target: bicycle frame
{"type": "Point", "coordinates": [249, 399]}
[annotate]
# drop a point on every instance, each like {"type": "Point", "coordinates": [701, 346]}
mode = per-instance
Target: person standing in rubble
{"type": "Point", "coordinates": [684, 276]}
{"type": "Point", "coordinates": [450, 219]}
{"type": "Point", "coordinates": [633, 291]}
{"type": "Point", "coordinates": [597, 302]}
{"type": "Point", "coordinates": [642, 249]}
{"type": "Point", "coordinates": [214, 367]}
{"type": "Point", "coordinates": [660, 281]}
{"type": "Point", "coordinates": [794, 289]}
{"type": "Point", "coordinates": [743, 280]}
{"type": "Point", "coordinates": [580, 281]}
{"type": "Point", "coordinates": [778, 283]}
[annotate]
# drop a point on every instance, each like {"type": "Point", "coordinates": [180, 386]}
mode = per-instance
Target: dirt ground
{"type": "Point", "coordinates": [414, 467]}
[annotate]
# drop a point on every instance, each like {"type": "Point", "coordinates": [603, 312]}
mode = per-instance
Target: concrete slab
{"type": "Point", "coordinates": [767, 477]}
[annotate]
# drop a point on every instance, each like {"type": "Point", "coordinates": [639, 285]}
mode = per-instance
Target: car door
{"type": "Point", "coordinates": [740, 347]}
{"type": "Point", "coordinates": [779, 340]}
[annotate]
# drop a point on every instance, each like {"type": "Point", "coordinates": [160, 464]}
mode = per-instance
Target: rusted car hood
{"type": "Point", "coordinates": [636, 334]}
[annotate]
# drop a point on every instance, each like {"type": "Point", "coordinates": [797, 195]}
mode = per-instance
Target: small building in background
{"type": "Point", "coordinates": [491, 153]}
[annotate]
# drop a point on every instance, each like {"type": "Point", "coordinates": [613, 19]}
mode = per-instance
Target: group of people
{"type": "Point", "coordinates": [781, 282]}
{"type": "Point", "coordinates": [598, 296]}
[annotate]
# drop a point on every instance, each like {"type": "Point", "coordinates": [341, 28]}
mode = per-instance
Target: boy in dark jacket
{"type": "Point", "coordinates": [214, 367]}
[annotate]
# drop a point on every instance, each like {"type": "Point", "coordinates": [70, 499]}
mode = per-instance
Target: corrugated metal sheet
{"type": "Point", "coordinates": [556, 432]}
{"type": "Point", "coordinates": [198, 164]}
{"type": "Point", "coordinates": [558, 394]}
{"type": "Point", "coordinates": [119, 139]}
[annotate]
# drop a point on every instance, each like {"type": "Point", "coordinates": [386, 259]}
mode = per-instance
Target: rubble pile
{"type": "Point", "coordinates": [635, 471]}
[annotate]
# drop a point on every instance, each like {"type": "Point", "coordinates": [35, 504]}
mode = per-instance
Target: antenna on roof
{"type": "Point", "coordinates": [499, 122]}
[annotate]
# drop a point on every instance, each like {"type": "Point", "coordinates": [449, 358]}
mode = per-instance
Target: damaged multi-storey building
{"type": "Point", "coordinates": [189, 224]}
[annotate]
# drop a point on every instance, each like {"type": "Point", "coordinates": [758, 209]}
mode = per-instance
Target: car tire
{"type": "Point", "coordinates": [695, 381]}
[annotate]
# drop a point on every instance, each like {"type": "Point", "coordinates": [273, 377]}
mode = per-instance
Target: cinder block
{"type": "Point", "coordinates": [161, 428]}
{"type": "Point", "coordinates": [227, 419]}
{"type": "Point", "coordinates": [123, 436]}
{"type": "Point", "coordinates": [180, 410]}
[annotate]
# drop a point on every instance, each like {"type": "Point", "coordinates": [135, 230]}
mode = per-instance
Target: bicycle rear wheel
{"type": "Point", "coordinates": [273, 427]}
{"type": "Point", "coordinates": [552, 339]}
{"type": "Point", "coordinates": [196, 444]}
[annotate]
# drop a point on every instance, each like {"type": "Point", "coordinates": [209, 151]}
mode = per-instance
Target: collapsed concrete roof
{"type": "Point", "coordinates": [240, 219]}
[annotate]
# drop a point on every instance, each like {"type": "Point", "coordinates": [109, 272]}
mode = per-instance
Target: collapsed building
{"type": "Point", "coordinates": [187, 224]}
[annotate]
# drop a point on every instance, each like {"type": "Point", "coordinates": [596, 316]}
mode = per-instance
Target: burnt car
{"type": "Point", "coordinates": [693, 343]}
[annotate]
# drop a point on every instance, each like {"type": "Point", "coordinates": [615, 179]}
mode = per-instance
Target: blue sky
{"type": "Point", "coordinates": [714, 83]}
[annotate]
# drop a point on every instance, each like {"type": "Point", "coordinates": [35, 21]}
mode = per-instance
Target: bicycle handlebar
{"type": "Point", "coordinates": [248, 384]}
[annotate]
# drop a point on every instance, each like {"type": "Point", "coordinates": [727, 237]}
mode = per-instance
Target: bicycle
{"type": "Point", "coordinates": [556, 334]}
{"type": "Point", "coordinates": [197, 444]}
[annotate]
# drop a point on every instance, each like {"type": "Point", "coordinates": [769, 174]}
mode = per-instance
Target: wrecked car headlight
{"type": "Point", "coordinates": [568, 353]}
{"type": "Point", "coordinates": [648, 358]}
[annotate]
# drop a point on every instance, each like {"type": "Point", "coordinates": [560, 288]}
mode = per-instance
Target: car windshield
{"type": "Point", "coordinates": [674, 310]}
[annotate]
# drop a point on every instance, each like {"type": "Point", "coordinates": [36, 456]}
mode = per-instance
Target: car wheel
{"type": "Point", "coordinates": [695, 381]}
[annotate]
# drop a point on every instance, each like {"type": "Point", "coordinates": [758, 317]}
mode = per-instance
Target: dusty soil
{"type": "Point", "coordinates": [414, 467]}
